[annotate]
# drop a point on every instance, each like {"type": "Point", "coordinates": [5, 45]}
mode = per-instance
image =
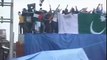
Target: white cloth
{"type": "Point", "coordinates": [37, 25]}
{"type": "Point", "coordinates": [28, 18]}
{"type": "Point", "coordinates": [68, 23]}
{"type": "Point", "coordinates": [68, 54]}
{"type": "Point", "coordinates": [55, 19]}
{"type": "Point", "coordinates": [36, 15]}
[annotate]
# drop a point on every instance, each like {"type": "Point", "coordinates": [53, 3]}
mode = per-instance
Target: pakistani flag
{"type": "Point", "coordinates": [81, 24]}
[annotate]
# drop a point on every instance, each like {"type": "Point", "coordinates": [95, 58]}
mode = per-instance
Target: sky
{"type": "Point", "coordinates": [20, 4]}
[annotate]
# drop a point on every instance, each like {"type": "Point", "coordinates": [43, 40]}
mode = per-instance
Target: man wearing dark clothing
{"type": "Point", "coordinates": [49, 26]}
{"type": "Point", "coordinates": [29, 24]}
{"type": "Point", "coordinates": [55, 26]}
{"type": "Point", "coordinates": [42, 21]}
{"type": "Point", "coordinates": [48, 23]}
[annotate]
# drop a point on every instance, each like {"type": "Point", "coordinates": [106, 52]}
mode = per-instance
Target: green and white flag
{"type": "Point", "coordinates": [81, 24]}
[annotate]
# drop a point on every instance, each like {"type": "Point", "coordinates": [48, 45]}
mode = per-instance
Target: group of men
{"type": "Point", "coordinates": [32, 21]}
{"type": "Point", "coordinates": [36, 22]}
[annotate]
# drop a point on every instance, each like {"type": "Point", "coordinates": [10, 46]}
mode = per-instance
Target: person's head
{"type": "Point", "coordinates": [29, 6]}
{"type": "Point", "coordinates": [63, 12]}
{"type": "Point", "coordinates": [66, 11]}
{"type": "Point", "coordinates": [93, 8]}
{"type": "Point", "coordinates": [75, 6]}
{"type": "Point", "coordinates": [99, 4]}
{"type": "Point", "coordinates": [72, 10]}
{"type": "Point", "coordinates": [19, 13]}
{"type": "Point", "coordinates": [24, 9]}
{"type": "Point", "coordinates": [40, 8]}
{"type": "Point", "coordinates": [45, 11]}
{"type": "Point", "coordinates": [40, 4]}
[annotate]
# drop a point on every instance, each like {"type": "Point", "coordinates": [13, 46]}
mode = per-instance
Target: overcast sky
{"type": "Point", "coordinates": [20, 4]}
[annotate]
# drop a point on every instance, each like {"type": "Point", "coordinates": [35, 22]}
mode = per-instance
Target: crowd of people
{"type": "Point", "coordinates": [32, 21]}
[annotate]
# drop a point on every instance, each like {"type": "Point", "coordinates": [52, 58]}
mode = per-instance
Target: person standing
{"type": "Point", "coordinates": [49, 26]}
{"type": "Point", "coordinates": [21, 23]}
{"type": "Point", "coordinates": [40, 17]}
